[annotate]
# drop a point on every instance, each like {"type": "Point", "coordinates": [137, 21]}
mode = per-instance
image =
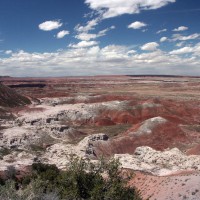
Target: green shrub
{"type": "Point", "coordinates": [82, 180]}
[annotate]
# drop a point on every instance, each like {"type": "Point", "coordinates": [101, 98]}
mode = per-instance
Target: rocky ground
{"type": "Point", "coordinates": [151, 124]}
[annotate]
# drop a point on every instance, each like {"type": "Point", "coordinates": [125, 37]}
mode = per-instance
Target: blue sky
{"type": "Point", "coordinates": [92, 37]}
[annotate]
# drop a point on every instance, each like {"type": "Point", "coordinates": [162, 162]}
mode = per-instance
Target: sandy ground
{"type": "Point", "coordinates": [183, 186]}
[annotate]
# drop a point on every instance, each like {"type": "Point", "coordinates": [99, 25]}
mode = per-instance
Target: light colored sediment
{"type": "Point", "coordinates": [148, 125]}
{"type": "Point", "coordinates": [159, 163]}
{"type": "Point", "coordinates": [17, 160]}
{"type": "Point", "coordinates": [72, 112]}
{"type": "Point", "coordinates": [18, 137]}
{"type": "Point", "coordinates": [58, 154]}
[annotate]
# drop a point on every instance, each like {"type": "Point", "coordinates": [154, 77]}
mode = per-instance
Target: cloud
{"type": "Point", "coordinates": [151, 46]}
{"type": "Point", "coordinates": [84, 44]}
{"type": "Point", "coordinates": [94, 60]}
{"type": "Point", "coordinates": [161, 31]}
{"type": "Point", "coordinates": [8, 52]}
{"type": "Point", "coordinates": [106, 30]}
{"type": "Point", "coordinates": [86, 36]}
{"type": "Point", "coordinates": [188, 49]}
{"type": "Point", "coordinates": [137, 25]}
{"type": "Point", "coordinates": [62, 34]}
{"type": "Point", "coordinates": [163, 39]}
{"type": "Point", "coordinates": [144, 30]}
{"type": "Point", "coordinates": [131, 52]}
{"type": "Point", "coordinates": [181, 28]}
{"type": "Point", "coordinates": [114, 53]}
{"type": "Point", "coordinates": [183, 50]}
{"type": "Point", "coordinates": [50, 25]}
{"type": "Point", "coordinates": [89, 26]}
{"type": "Point", "coordinates": [91, 36]}
{"type": "Point", "coordinates": [176, 37]}
{"type": "Point", "coordinates": [84, 33]}
{"type": "Point", "coordinates": [115, 8]}
{"type": "Point", "coordinates": [180, 44]}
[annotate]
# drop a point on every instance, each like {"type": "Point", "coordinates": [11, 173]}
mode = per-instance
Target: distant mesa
{"type": "Point", "coordinates": [28, 86]}
{"type": "Point", "coordinates": [161, 76]}
{"type": "Point", "coordinates": [5, 76]}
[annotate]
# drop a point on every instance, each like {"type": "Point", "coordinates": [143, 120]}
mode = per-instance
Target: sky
{"type": "Point", "coordinates": [42, 38]}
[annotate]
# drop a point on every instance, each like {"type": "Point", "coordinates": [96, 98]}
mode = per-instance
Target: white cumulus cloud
{"type": "Point", "coordinates": [195, 50]}
{"type": "Point", "coordinates": [151, 46]}
{"type": "Point", "coordinates": [137, 25]}
{"type": "Point", "coordinates": [161, 31]}
{"type": "Point", "coordinates": [95, 60]}
{"type": "Point", "coordinates": [180, 44]}
{"type": "Point", "coordinates": [176, 37]}
{"type": "Point", "coordinates": [183, 50]}
{"type": "Point", "coordinates": [8, 52]}
{"type": "Point", "coordinates": [163, 39]}
{"type": "Point", "coordinates": [62, 34]}
{"type": "Point", "coordinates": [113, 8]}
{"type": "Point", "coordinates": [181, 28]}
{"type": "Point", "coordinates": [84, 44]}
{"type": "Point", "coordinates": [50, 25]}
{"type": "Point", "coordinates": [91, 36]}
{"type": "Point", "coordinates": [89, 26]}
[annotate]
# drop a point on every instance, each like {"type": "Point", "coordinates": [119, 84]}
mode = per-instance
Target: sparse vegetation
{"type": "Point", "coordinates": [111, 131]}
{"type": "Point", "coordinates": [4, 152]}
{"type": "Point", "coordinates": [37, 148]}
{"type": "Point", "coordinates": [81, 180]}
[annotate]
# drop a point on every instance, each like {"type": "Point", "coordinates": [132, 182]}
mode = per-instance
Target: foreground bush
{"type": "Point", "coordinates": [82, 180]}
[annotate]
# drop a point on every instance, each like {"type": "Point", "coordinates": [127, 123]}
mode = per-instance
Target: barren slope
{"type": "Point", "coordinates": [10, 98]}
